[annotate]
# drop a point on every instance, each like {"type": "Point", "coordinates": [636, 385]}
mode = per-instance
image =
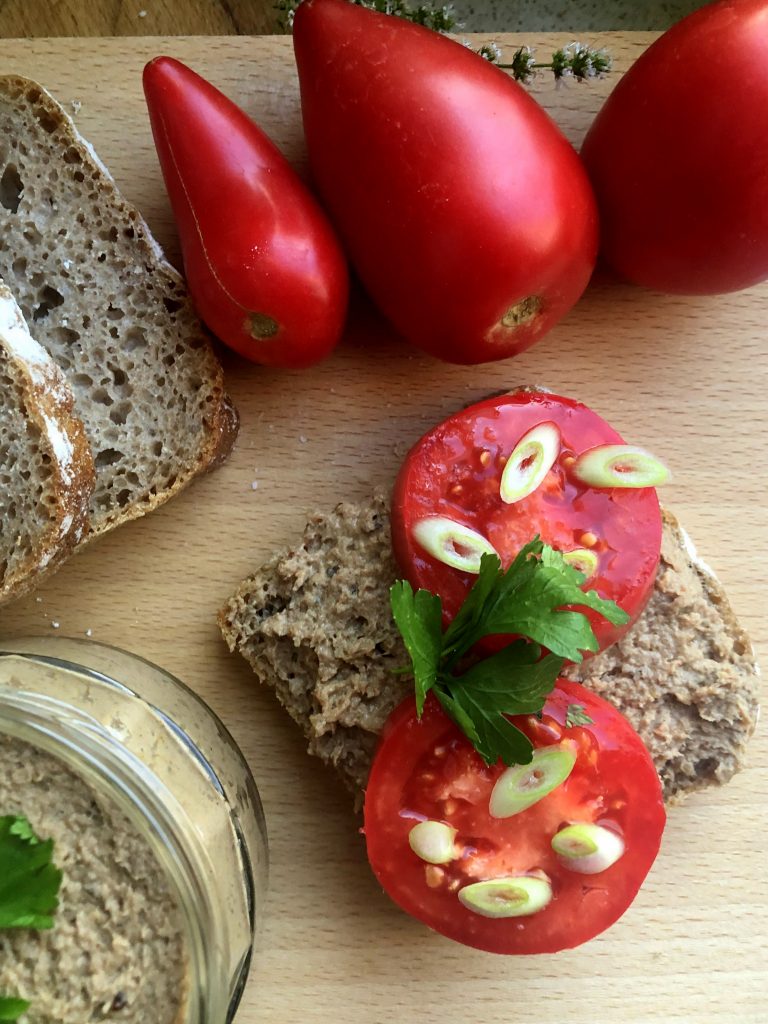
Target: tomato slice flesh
{"type": "Point", "coordinates": [427, 769]}
{"type": "Point", "coordinates": [455, 471]}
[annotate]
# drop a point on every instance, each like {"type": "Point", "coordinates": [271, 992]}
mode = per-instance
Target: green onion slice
{"type": "Point", "coordinates": [529, 463]}
{"type": "Point", "coordinates": [619, 465]}
{"type": "Point", "coordinates": [433, 842]}
{"type": "Point", "coordinates": [523, 785]}
{"type": "Point", "coordinates": [452, 543]}
{"type": "Point", "coordinates": [582, 559]}
{"type": "Point", "coordinates": [587, 848]}
{"type": "Point", "coordinates": [516, 896]}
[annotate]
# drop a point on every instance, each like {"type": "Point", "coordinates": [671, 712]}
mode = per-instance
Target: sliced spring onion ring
{"type": "Point", "coordinates": [582, 559]}
{"type": "Point", "coordinates": [531, 460]}
{"type": "Point", "coordinates": [516, 896]}
{"type": "Point", "coordinates": [587, 848]}
{"type": "Point", "coordinates": [433, 841]}
{"type": "Point", "coordinates": [619, 465]}
{"type": "Point", "coordinates": [523, 785]}
{"type": "Point", "coordinates": [452, 543]}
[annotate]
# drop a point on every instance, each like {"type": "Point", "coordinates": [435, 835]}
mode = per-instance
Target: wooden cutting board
{"type": "Point", "coordinates": [686, 377]}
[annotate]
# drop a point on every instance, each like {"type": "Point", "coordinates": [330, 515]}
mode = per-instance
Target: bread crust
{"type": "Point", "coordinates": [221, 421]}
{"type": "Point", "coordinates": [49, 405]}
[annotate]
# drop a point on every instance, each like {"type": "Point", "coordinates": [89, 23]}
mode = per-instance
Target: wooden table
{"type": "Point", "coordinates": [137, 17]}
{"type": "Point", "coordinates": [687, 377]}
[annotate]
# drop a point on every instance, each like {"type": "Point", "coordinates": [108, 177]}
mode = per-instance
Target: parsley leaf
{"type": "Point", "coordinates": [11, 1008]}
{"type": "Point", "coordinates": [29, 882]}
{"type": "Point", "coordinates": [515, 681]}
{"type": "Point", "coordinates": [527, 600]}
{"type": "Point", "coordinates": [419, 617]}
{"type": "Point", "coordinates": [576, 715]}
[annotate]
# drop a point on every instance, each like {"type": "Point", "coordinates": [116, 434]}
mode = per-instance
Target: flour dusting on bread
{"type": "Point", "coordinates": [46, 468]}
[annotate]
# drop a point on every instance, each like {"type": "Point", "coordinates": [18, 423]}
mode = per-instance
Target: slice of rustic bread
{"type": "Point", "coordinates": [314, 624]}
{"type": "Point", "coordinates": [100, 297]}
{"type": "Point", "coordinates": [46, 470]}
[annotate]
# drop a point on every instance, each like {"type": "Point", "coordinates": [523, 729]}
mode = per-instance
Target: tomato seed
{"type": "Point", "coordinates": [433, 876]}
{"type": "Point", "coordinates": [485, 457]}
{"type": "Point", "coordinates": [588, 539]}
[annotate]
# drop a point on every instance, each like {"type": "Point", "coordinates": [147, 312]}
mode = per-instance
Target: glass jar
{"type": "Point", "coordinates": [143, 741]}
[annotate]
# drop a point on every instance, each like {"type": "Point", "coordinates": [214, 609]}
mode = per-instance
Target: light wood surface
{"type": "Point", "coordinates": [35, 18]}
{"type": "Point", "coordinates": [686, 377]}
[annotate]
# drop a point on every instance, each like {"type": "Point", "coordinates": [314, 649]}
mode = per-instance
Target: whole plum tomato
{"type": "Point", "coordinates": [466, 213]}
{"type": "Point", "coordinates": [678, 156]}
{"type": "Point", "coordinates": [263, 265]}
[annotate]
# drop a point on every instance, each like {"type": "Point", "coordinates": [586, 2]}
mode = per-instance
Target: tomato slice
{"type": "Point", "coordinates": [455, 471]}
{"type": "Point", "coordinates": [426, 770]}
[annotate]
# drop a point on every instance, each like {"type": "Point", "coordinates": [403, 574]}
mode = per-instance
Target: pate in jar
{"type": "Point", "coordinates": [158, 831]}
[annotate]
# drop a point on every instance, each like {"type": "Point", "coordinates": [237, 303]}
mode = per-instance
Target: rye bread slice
{"type": "Point", "coordinates": [46, 470]}
{"type": "Point", "coordinates": [111, 311]}
{"type": "Point", "coordinates": [314, 624]}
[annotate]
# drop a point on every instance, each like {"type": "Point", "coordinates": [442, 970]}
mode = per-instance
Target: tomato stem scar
{"type": "Point", "coordinates": [522, 312]}
{"type": "Point", "coordinates": [261, 327]}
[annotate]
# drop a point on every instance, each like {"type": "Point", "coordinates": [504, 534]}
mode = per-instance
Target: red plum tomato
{"type": "Point", "coordinates": [466, 213]}
{"type": "Point", "coordinates": [678, 156]}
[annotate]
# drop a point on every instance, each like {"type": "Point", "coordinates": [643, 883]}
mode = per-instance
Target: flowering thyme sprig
{"type": "Point", "coordinates": [575, 61]}
{"type": "Point", "coordinates": [440, 19]}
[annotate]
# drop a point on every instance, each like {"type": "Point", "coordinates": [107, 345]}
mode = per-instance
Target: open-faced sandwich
{"type": "Point", "coordinates": [574, 666]}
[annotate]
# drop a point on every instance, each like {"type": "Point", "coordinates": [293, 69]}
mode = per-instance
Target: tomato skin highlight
{"type": "Point", "coordinates": [677, 156]}
{"type": "Point", "coordinates": [455, 471]}
{"type": "Point", "coordinates": [263, 265]}
{"type": "Point", "coordinates": [456, 196]}
{"type": "Point", "coordinates": [614, 781]}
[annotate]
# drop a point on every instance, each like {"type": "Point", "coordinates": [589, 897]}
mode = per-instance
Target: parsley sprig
{"type": "Point", "coordinates": [576, 715]}
{"type": "Point", "coordinates": [29, 888]}
{"type": "Point", "coordinates": [529, 599]}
